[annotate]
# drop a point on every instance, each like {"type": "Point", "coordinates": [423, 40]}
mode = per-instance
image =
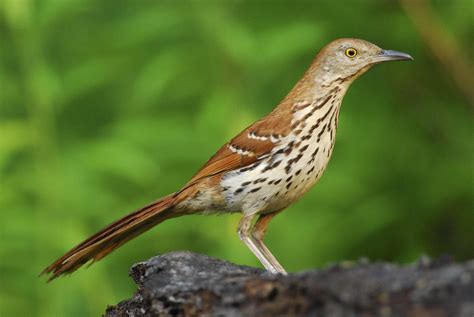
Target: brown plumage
{"type": "Point", "coordinates": [262, 170]}
{"type": "Point", "coordinates": [111, 237]}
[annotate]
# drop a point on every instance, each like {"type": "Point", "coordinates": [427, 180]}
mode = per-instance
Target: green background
{"type": "Point", "coordinates": [107, 105]}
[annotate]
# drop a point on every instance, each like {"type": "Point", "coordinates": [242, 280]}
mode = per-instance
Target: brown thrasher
{"type": "Point", "coordinates": [261, 171]}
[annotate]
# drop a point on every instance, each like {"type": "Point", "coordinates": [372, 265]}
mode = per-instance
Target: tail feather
{"type": "Point", "coordinates": [111, 237]}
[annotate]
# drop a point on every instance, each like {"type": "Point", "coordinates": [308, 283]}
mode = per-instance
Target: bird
{"type": "Point", "coordinates": [260, 172]}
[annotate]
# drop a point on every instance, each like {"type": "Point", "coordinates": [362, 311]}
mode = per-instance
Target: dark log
{"type": "Point", "coordinates": [188, 284]}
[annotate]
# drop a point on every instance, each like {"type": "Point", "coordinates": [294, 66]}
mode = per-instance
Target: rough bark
{"type": "Point", "coordinates": [188, 284]}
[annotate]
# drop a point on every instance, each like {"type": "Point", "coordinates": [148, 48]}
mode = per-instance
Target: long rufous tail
{"type": "Point", "coordinates": [111, 237]}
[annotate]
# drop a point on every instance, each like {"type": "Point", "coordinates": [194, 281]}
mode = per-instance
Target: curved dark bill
{"type": "Point", "coordinates": [389, 55]}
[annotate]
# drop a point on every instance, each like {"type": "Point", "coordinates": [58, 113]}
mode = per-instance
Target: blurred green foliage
{"type": "Point", "coordinates": [107, 105]}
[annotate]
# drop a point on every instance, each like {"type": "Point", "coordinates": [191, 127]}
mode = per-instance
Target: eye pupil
{"type": "Point", "coordinates": [351, 52]}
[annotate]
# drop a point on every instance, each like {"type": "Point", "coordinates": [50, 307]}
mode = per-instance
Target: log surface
{"type": "Point", "coordinates": [189, 284]}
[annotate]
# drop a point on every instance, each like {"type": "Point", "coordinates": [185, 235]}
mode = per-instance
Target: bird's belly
{"type": "Point", "coordinates": [277, 181]}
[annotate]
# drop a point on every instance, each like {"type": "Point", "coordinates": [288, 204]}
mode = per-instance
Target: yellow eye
{"type": "Point", "coordinates": [351, 52]}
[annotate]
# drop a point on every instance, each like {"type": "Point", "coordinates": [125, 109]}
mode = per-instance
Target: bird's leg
{"type": "Point", "coordinates": [244, 231]}
{"type": "Point", "coordinates": [245, 234]}
{"type": "Point", "coordinates": [258, 234]}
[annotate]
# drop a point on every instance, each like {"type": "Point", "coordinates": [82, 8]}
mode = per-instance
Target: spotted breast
{"type": "Point", "coordinates": [294, 164]}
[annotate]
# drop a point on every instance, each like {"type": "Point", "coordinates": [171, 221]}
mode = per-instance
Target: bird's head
{"type": "Point", "coordinates": [346, 59]}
